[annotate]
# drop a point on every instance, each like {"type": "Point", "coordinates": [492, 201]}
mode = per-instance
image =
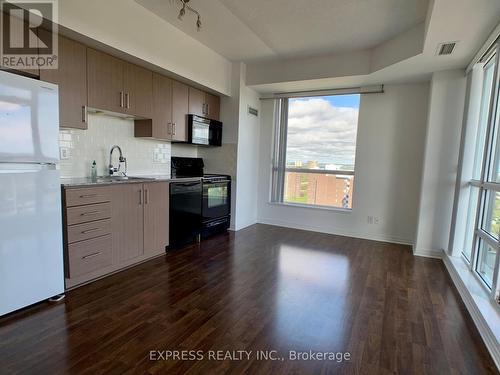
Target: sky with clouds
{"type": "Point", "coordinates": [323, 129]}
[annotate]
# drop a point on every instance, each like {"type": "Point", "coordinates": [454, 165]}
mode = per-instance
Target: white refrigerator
{"type": "Point", "coordinates": [31, 246]}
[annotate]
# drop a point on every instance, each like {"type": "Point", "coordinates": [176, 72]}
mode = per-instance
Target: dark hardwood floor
{"type": "Point", "coordinates": [263, 288]}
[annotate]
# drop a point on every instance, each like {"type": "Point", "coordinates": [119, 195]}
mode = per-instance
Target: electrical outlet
{"type": "Point", "coordinates": [370, 219]}
{"type": "Point", "coordinates": [64, 153]}
{"type": "Point", "coordinates": [376, 220]}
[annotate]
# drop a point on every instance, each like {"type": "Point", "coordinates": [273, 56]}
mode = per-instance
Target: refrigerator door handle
{"type": "Point", "coordinates": [26, 167]}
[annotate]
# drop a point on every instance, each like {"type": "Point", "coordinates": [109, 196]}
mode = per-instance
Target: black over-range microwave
{"type": "Point", "coordinates": [204, 131]}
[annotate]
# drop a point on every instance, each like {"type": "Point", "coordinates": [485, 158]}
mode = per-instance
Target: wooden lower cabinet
{"type": "Point", "coordinates": [88, 256]}
{"type": "Point", "coordinates": [127, 221]}
{"type": "Point", "coordinates": [156, 215]}
{"type": "Point", "coordinates": [109, 228]}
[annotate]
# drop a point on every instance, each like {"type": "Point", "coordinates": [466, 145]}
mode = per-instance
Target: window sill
{"type": "Point", "coordinates": [324, 208]}
{"type": "Point", "coordinates": [484, 311]}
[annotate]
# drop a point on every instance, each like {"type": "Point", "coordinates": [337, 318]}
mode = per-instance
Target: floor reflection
{"type": "Point", "coordinates": [311, 298]}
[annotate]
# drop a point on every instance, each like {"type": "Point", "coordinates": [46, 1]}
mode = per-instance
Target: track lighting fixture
{"type": "Point", "coordinates": [198, 23]}
{"type": "Point", "coordinates": [182, 12]}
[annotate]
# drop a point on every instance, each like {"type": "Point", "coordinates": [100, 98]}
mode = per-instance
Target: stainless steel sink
{"type": "Point", "coordinates": [111, 179]}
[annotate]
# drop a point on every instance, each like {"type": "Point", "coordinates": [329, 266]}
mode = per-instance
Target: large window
{"type": "Point", "coordinates": [315, 147]}
{"type": "Point", "coordinates": [478, 237]}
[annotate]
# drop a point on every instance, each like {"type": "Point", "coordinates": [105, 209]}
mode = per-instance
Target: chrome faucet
{"type": "Point", "coordinates": [121, 159]}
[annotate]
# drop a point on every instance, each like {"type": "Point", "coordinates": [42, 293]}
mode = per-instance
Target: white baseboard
{"type": "Point", "coordinates": [243, 226]}
{"type": "Point", "coordinates": [338, 232]}
{"type": "Point", "coordinates": [482, 326]}
{"type": "Point", "coordinates": [433, 253]}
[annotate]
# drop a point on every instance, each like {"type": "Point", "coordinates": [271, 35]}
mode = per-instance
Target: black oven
{"type": "Point", "coordinates": [216, 204]}
{"type": "Point", "coordinates": [216, 197]}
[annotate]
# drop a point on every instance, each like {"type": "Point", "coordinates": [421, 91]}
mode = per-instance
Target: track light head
{"type": "Point", "coordinates": [198, 23]}
{"type": "Point", "coordinates": [182, 12]}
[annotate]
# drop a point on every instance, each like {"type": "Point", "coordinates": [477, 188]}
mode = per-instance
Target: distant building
{"type": "Point", "coordinates": [319, 189]}
{"type": "Point", "coordinates": [312, 164]}
{"type": "Point", "coordinates": [332, 167]}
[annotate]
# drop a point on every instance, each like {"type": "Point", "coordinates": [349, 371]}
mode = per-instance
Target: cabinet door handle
{"type": "Point", "coordinates": [84, 113]}
{"type": "Point", "coordinates": [90, 230]}
{"type": "Point", "coordinates": [173, 128]}
{"type": "Point", "coordinates": [87, 195]}
{"type": "Point", "coordinates": [169, 131]}
{"type": "Point", "coordinates": [89, 213]}
{"type": "Point", "coordinates": [127, 99]}
{"type": "Point", "coordinates": [91, 255]}
{"type": "Point", "coordinates": [208, 109]}
{"type": "Point", "coordinates": [140, 197]}
{"type": "Point", "coordinates": [121, 99]}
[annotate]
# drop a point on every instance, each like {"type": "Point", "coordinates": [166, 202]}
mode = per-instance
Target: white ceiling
{"type": "Point", "coordinates": [293, 45]}
{"type": "Point", "coordinates": [467, 22]}
{"type": "Point", "coordinates": [298, 28]}
{"type": "Point", "coordinates": [243, 30]}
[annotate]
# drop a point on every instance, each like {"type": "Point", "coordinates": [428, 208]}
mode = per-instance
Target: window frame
{"type": "Point", "coordinates": [280, 137]}
{"type": "Point", "coordinates": [484, 184]}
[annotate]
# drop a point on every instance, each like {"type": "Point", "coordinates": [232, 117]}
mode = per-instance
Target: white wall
{"type": "Point", "coordinates": [444, 126]}
{"type": "Point", "coordinates": [131, 28]}
{"type": "Point", "coordinates": [248, 160]}
{"type": "Point", "coordinates": [389, 155]}
{"type": "Point", "coordinates": [239, 154]}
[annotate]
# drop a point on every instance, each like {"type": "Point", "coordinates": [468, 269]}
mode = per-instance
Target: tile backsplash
{"type": "Point", "coordinates": [79, 148]}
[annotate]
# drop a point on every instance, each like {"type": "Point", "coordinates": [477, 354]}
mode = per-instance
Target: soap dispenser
{"type": "Point", "coordinates": [93, 172]}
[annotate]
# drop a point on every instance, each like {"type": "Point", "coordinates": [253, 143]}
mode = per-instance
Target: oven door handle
{"type": "Point", "coordinates": [225, 182]}
{"type": "Point", "coordinates": [186, 184]}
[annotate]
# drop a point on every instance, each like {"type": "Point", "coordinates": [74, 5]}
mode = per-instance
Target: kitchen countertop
{"type": "Point", "coordinates": [74, 182]}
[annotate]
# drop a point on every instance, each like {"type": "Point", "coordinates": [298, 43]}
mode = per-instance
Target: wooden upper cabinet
{"type": "Point", "coordinates": [213, 106]}
{"type": "Point", "coordinates": [160, 124]}
{"type": "Point", "coordinates": [204, 104]}
{"type": "Point", "coordinates": [156, 217]}
{"type": "Point", "coordinates": [138, 90]}
{"type": "Point", "coordinates": [71, 76]}
{"type": "Point", "coordinates": [127, 221]}
{"type": "Point", "coordinates": [180, 108]}
{"type": "Point", "coordinates": [118, 86]}
{"type": "Point", "coordinates": [105, 81]}
{"type": "Point", "coordinates": [196, 102]}
{"type": "Point", "coordinates": [162, 107]}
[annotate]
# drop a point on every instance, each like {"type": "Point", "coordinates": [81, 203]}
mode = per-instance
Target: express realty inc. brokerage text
{"type": "Point", "coordinates": [246, 355]}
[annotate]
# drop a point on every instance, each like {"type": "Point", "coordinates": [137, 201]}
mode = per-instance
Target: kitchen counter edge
{"type": "Point", "coordinates": [69, 183]}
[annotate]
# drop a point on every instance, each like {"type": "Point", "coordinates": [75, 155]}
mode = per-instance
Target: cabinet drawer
{"type": "Point", "coordinates": [79, 197]}
{"type": "Point", "coordinates": [86, 231]}
{"type": "Point", "coordinates": [90, 255]}
{"type": "Point", "coordinates": [84, 214]}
